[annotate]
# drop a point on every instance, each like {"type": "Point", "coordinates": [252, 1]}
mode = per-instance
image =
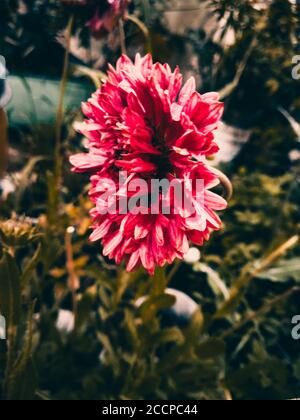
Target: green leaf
{"type": "Point", "coordinates": [211, 349]}
{"type": "Point", "coordinates": [22, 377]}
{"type": "Point", "coordinates": [170, 335]}
{"type": "Point", "coordinates": [293, 123]}
{"type": "Point", "coordinates": [84, 310]}
{"type": "Point", "coordinates": [154, 304]}
{"type": "Point", "coordinates": [25, 384]}
{"type": "Point", "coordinates": [160, 281]}
{"type": "Point", "coordinates": [147, 10]}
{"type": "Point", "coordinates": [10, 291]}
{"type": "Point", "coordinates": [25, 174]}
{"type": "Point", "coordinates": [30, 266]}
{"type": "Point", "coordinates": [131, 327]}
{"type": "Point", "coordinates": [195, 327]}
{"type": "Point", "coordinates": [283, 271]}
{"type": "Point", "coordinates": [217, 285]}
{"type": "Point", "coordinates": [105, 341]}
{"type": "Point", "coordinates": [25, 354]}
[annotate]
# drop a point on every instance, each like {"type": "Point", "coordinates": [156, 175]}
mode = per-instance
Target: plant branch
{"type": "Point", "coordinates": [249, 273]}
{"type": "Point", "coordinates": [73, 280]}
{"type": "Point", "coordinates": [267, 307]}
{"type": "Point", "coordinates": [143, 29]}
{"type": "Point", "coordinates": [226, 183]}
{"type": "Point", "coordinates": [176, 266]}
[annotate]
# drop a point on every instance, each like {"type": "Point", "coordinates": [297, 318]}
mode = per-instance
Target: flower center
{"type": "Point", "coordinates": [162, 162]}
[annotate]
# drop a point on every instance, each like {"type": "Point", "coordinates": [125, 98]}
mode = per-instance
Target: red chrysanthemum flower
{"type": "Point", "coordinates": [143, 122]}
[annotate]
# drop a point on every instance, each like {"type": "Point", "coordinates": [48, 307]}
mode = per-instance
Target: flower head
{"type": "Point", "coordinates": [144, 123]}
{"type": "Point", "coordinates": [18, 231]}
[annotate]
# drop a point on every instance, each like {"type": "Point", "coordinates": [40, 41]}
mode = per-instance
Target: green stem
{"type": "Point", "coordinates": [143, 28]}
{"type": "Point", "coordinates": [176, 266]}
{"type": "Point", "coordinates": [250, 273]}
{"type": "Point", "coordinates": [267, 307]}
{"type": "Point", "coordinates": [60, 113]}
{"type": "Point", "coordinates": [11, 335]}
{"type": "Point", "coordinates": [160, 281]}
{"type": "Point", "coordinates": [3, 143]}
{"type": "Point", "coordinates": [122, 36]}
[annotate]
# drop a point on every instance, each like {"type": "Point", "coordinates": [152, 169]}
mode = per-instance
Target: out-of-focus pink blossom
{"type": "Point", "coordinates": [106, 13]}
